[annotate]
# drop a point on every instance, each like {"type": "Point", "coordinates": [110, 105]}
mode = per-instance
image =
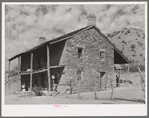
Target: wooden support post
{"type": "Point", "coordinates": [31, 74]}
{"type": "Point", "coordinates": [78, 87]}
{"type": "Point", "coordinates": [112, 86]}
{"type": "Point", "coordinates": [53, 85]}
{"type": "Point", "coordinates": [9, 78]}
{"type": "Point", "coordinates": [128, 71]}
{"type": "Point", "coordinates": [19, 76]}
{"type": "Point", "coordinates": [111, 89]}
{"type": "Point", "coordinates": [119, 78]}
{"type": "Point", "coordinates": [95, 91]}
{"type": "Point", "coordinates": [125, 71]}
{"type": "Point", "coordinates": [70, 86]}
{"type": "Point", "coordinates": [142, 80]}
{"type": "Point", "coordinates": [100, 80]}
{"type": "Point", "coordinates": [48, 67]}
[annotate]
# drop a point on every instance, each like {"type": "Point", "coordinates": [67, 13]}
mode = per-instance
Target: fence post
{"type": "Point", "coordinates": [142, 81]}
{"type": "Point", "coordinates": [112, 86]}
{"type": "Point", "coordinates": [78, 87]}
{"type": "Point", "coordinates": [70, 86]}
{"type": "Point", "coordinates": [111, 90]}
{"type": "Point", "coordinates": [95, 91]}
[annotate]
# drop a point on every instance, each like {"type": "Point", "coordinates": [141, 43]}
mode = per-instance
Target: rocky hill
{"type": "Point", "coordinates": [131, 42]}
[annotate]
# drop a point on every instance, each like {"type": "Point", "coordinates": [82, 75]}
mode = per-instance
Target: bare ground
{"type": "Point", "coordinates": [122, 95]}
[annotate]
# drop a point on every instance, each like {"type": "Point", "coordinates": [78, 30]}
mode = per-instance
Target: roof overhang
{"type": "Point", "coordinates": [55, 40]}
{"type": "Point", "coordinates": [117, 54]}
{"type": "Point", "coordinates": [119, 58]}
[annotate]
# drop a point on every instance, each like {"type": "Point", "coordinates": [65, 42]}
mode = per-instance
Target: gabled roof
{"type": "Point", "coordinates": [67, 36]}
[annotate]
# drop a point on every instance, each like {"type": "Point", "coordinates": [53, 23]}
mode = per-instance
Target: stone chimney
{"type": "Point", "coordinates": [91, 19]}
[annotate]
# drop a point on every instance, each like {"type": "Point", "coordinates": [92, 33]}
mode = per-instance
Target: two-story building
{"type": "Point", "coordinates": [86, 52]}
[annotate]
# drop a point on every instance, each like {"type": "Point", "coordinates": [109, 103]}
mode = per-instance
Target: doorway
{"type": "Point", "coordinates": [25, 81]}
{"type": "Point", "coordinates": [57, 73]}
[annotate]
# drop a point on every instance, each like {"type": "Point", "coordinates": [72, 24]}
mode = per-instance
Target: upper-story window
{"type": "Point", "coordinates": [80, 53]}
{"type": "Point", "coordinates": [102, 55]}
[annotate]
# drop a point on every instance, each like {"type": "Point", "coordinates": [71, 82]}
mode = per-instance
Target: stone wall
{"type": "Point", "coordinates": [91, 42]}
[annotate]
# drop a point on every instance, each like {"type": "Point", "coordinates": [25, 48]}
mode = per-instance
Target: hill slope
{"type": "Point", "coordinates": [131, 42]}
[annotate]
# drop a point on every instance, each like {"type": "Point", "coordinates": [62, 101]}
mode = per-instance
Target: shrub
{"type": "Point", "coordinates": [133, 55]}
{"type": "Point", "coordinates": [133, 46]}
{"type": "Point", "coordinates": [37, 90]}
{"type": "Point", "coordinates": [142, 67]}
{"type": "Point", "coordinates": [134, 68]}
{"type": "Point", "coordinates": [124, 42]}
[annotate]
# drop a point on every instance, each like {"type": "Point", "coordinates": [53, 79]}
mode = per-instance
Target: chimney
{"type": "Point", "coordinates": [91, 19]}
{"type": "Point", "coordinates": [42, 40]}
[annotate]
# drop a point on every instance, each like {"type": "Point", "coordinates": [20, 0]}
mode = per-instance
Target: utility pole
{"type": "Point", "coordinates": [70, 86]}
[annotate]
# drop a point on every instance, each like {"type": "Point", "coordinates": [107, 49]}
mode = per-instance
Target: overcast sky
{"type": "Point", "coordinates": [24, 24]}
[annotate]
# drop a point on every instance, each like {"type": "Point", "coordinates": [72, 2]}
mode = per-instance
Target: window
{"type": "Point", "coordinates": [79, 73]}
{"type": "Point", "coordinates": [80, 53]}
{"type": "Point", "coordinates": [102, 54]}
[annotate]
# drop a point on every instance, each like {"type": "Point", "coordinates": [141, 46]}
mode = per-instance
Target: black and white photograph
{"type": "Point", "coordinates": [60, 55]}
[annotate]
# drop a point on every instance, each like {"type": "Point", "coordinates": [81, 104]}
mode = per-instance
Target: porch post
{"type": "Point", "coordinates": [19, 76]}
{"type": "Point", "coordinates": [100, 80]}
{"type": "Point", "coordinates": [9, 78]}
{"type": "Point", "coordinates": [48, 67]}
{"type": "Point", "coordinates": [31, 74]}
{"type": "Point", "coordinates": [119, 77]}
{"type": "Point", "coordinates": [128, 71]}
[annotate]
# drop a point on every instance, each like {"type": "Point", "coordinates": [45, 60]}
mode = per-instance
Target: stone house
{"type": "Point", "coordinates": [84, 55]}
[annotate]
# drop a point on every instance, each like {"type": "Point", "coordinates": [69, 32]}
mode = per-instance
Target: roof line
{"type": "Point", "coordinates": [69, 35]}
{"type": "Point", "coordinates": [55, 40]}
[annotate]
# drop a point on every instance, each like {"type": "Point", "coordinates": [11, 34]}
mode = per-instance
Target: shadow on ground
{"type": "Point", "coordinates": [133, 100]}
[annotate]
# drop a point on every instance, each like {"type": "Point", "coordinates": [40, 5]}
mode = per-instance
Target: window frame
{"type": "Point", "coordinates": [102, 57]}
{"type": "Point", "coordinates": [81, 56]}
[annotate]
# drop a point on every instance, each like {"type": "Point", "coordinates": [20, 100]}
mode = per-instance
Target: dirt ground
{"type": "Point", "coordinates": [122, 95]}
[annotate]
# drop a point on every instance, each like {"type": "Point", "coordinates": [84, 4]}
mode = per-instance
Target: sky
{"type": "Point", "coordinates": [24, 24]}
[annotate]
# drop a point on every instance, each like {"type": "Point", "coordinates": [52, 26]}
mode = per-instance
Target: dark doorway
{"type": "Point", "coordinates": [25, 80]}
{"type": "Point", "coordinates": [102, 81]}
{"type": "Point", "coordinates": [57, 73]}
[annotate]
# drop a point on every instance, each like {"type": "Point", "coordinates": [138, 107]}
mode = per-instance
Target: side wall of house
{"type": "Point", "coordinates": [91, 42]}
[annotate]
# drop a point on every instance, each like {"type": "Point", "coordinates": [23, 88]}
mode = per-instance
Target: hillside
{"type": "Point", "coordinates": [131, 42]}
